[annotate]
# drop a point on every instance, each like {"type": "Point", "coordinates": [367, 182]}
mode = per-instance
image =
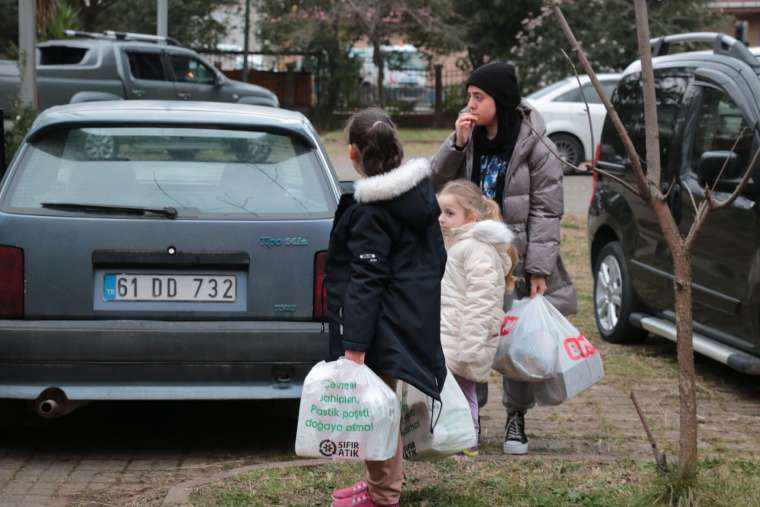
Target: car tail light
{"type": "Point", "coordinates": [11, 282]}
{"type": "Point", "coordinates": [320, 292]}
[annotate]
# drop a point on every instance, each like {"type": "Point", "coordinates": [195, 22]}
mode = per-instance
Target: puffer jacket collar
{"type": "Point", "coordinates": [392, 184]}
{"type": "Point", "coordinates": [491, 232]}
{"type": "Point", "coordinates": [486, 231]}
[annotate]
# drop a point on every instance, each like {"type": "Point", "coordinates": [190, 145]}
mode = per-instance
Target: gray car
{"type": "Point", "coordinates": [125, 66]}
{"type": "Point", "coordinates": [163, 250]}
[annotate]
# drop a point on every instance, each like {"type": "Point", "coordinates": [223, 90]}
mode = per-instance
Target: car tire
{"type": "Point", "coordinates": [614, 297]}
{"type": "Point", "coordinates": [570, 149]}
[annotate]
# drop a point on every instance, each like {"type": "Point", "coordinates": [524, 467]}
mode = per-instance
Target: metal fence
{"type": "Point", "coordinates": [411, 91]}
{"type": "Point", "coordinates": [294, 77]}
{"type": "Point", "coordinates": [297, 80]}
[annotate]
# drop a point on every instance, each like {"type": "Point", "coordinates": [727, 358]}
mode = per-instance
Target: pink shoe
{"type": "Point", "coordinates": [360, 500]}
{"type": "Point", "coordinates": [349, 491]}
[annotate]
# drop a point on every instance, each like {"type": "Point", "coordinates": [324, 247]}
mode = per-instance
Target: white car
{"type": "Point", "coordinates": [562, 107]}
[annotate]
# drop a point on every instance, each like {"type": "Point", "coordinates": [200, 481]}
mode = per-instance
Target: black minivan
{"type": "Point", "coordinates": [706, 102]}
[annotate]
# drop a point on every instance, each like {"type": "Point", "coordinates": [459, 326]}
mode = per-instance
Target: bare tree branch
{"type": "Point", "coordinates": [693, 201]}
{"type": "Point", "coordinates": [540, 138]}
{"type": "Point", "coordinates": [646, 190]}
{"type": "Point", "coordinates": [651, 128]}
{"type": "Point", "coordinates": [554, 153]}
{"type": "Point", "coordinates": [725, 163]}
{"type": "Point", "coordinates": [659, 457]}
{"type": "Point", "coordinates": [714, 204]}
{"type": "Point", "coordinates": [710, 203]}
{"type": "Point", "coordinates": [620, 180]}
{"type": "Point", "coordinates": [588, 109]}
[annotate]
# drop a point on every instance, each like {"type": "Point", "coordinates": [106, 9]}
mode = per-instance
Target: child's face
{"type": "Point", "coordinates": [452, 215]}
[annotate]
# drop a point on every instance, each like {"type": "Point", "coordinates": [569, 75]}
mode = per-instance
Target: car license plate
{"type": "Point", "coordinates": [147, 287]}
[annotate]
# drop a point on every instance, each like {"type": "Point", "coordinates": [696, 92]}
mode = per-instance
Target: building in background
{"type": "Point", "coordinates": [746, 24]}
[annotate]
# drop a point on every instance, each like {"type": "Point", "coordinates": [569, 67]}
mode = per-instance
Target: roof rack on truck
{"type": "Point", "coordinates": [127, 36]}
{"type": "Point", "coordinates": [722, 45]}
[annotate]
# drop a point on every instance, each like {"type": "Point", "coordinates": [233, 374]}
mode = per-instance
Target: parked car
{"type": "Point", "coordinates": [707, 101]}
{"type": "Point", "coordinates": [405, 77]}
{"type": "Point", "coordinates": [167, 265]}
{"type": "Point", "coordinates": [564, 110]}
{"type": "Point", "coordinates": [125, 66]}
{"type": "Point", "coordinates": [404, 66]}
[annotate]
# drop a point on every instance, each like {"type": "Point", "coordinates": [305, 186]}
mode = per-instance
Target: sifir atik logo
{"type": "Point", "coordinates": [327, 448]}
{"type": "Point", "coordinates": [344, 449]}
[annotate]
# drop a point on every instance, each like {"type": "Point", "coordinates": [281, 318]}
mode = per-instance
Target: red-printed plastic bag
{"type": "Point", "coordinates": [540, 345]}
{"type": "Point", "coordinates": [530, 337]}
{"type": "Point", "coordinates": [579, 366]}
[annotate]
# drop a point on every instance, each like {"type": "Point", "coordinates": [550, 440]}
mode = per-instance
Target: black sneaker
{"type": "Point", "coordinates": [515, 440]}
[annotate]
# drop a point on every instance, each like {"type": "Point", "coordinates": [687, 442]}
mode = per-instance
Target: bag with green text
{"type": "Point", "coordinates": [431, 430]}
{"type": "Point", "coordinates": [347, 412]}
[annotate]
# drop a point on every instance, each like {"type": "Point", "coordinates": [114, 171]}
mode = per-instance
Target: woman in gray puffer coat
{"type": "Point", "coordinates": [500, 144]}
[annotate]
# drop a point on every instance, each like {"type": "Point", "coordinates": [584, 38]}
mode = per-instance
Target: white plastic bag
{"type": "Point", "coordinates": [531, 333]}
{"type": "Point", "coordinates": [579, 367]}
{"type": "Point", "coordinates": [452, 420]}
{"type": "Point", "coordinates": [347, 412]}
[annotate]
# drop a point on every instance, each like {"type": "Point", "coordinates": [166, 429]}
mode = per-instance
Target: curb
{"type": "Point", "coordinates": [180, 493]}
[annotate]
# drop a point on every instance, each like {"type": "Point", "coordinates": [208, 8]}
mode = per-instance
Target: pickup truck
{"type": "Point", "coordinates": [125, 66]}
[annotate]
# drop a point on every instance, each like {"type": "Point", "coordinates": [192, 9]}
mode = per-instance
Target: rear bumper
{"type": "Point", "coordinates": [151, 360]}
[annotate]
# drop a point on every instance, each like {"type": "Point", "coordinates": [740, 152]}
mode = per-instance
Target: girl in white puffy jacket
{"type": "Point", "coordinates": [479, 268]}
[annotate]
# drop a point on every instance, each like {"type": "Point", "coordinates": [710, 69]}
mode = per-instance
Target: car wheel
{"type": "Point", "coordinates": [570, 149]}
{"type": "Point", "coordinates": [98, 147]}
{"type": "Point", "coordinates": [614, 298]}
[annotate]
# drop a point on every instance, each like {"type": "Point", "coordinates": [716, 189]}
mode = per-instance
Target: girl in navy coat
{"type": "Point", "coordinates": [384, 268]}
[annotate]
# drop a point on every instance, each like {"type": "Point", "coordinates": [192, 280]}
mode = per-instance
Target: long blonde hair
{"type": "Point", "coordinates": [469, 196]}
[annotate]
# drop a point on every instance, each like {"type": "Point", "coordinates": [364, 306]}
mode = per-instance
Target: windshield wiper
{"type": "Point", "coordinates": [167, 211]}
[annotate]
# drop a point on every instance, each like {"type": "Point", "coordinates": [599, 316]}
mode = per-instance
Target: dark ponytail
{"type": "Point", "coordinates": [374, 135]}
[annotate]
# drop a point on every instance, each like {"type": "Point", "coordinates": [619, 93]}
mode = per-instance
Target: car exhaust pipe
{"type": "Point", "coordinates": [53, 403]}
{"type": "Point", "coordinates": [47, 408]}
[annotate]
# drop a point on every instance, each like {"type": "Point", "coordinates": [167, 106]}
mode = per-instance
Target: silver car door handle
{"type": "Point", "coordinates": [138, 93]}
{"type": "Point", "coordinates": [183, 95]}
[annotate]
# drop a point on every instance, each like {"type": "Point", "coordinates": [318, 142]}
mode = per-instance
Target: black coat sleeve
{"type": "Point", "coordinates": [369, 245]}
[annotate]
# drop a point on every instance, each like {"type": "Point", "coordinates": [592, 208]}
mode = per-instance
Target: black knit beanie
{"type": "Point", "coordinates": [499, 80]}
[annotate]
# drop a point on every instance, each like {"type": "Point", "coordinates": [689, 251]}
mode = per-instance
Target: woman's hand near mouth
{"type": "Point", "coordinates": [464, 125]}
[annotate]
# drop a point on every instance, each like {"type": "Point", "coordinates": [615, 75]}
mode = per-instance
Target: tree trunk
{"type": "Point", "coordinates": [687, 460]}
{"type": "Point", "coordinates": [379, 61]}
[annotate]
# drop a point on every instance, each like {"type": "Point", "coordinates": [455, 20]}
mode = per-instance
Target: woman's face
{"type": "Point", "coordinates": [452, 215]}
{"type": "Point", "coordinates": [481, 105]}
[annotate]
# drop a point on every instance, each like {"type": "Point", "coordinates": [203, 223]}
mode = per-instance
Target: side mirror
{"type": "Point", "coordinates": [347, 187]}
{"type": "Point", "coordinates": [710, 165]}
{"type": "Point", "coordinates": [218, 80]}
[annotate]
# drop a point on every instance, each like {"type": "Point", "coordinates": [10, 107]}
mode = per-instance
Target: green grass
{"type": "Point", "coordinates": [534, 482]}
{"type": "Point", "coordinates": [728, 475]}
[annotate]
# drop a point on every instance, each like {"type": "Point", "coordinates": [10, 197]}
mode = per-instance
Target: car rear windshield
{"type": "Point", "coordinates": [61, 55]}
{"type": "Point", "coordinates": [202, 173]}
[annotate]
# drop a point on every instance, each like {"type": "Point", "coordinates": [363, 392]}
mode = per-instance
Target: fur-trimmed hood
{"type": "Point", "coordinates": [490, 232]}
{"type": "Point", "coordinates": [387, 186]}
{"type": "Point", "coordinates": [406, 192]}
